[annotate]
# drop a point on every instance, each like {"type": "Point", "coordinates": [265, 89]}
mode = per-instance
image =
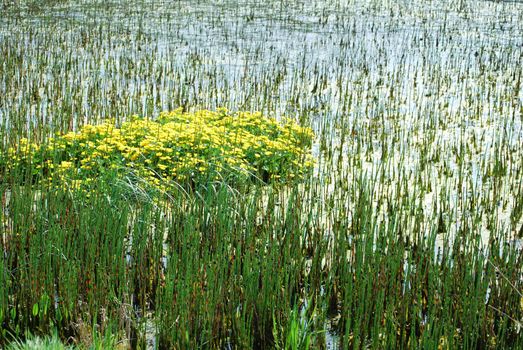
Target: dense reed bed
{"type": "Point", "coordinates": [407, 234]}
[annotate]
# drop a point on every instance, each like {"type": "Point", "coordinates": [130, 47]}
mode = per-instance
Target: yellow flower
{"type": "Point", "coordinates": [66, 165]}
{"type": "Point", "coordinates": [183, 142]}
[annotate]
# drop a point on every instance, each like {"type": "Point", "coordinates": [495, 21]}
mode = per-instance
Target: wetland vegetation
{"type": "Point", "coordinates": [233, 174]}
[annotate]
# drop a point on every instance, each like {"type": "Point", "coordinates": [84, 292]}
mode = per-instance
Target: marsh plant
{"type": "Point", "coordinates": [175, 149]}
{"type": "Point", "coordinates": [261, 174]}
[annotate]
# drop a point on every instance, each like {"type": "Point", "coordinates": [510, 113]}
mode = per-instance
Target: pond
{"type": "Point", "coordinates": [417, 108]}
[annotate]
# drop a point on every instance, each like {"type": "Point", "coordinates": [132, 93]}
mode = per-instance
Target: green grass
{"type": "Point", "coordinates": [54, 343]}
{"type": "Point", "coordinates": [407, 234]}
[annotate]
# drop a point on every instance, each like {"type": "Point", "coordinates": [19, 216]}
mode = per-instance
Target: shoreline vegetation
{"type": "Point", "coordinates": [233, 174]}
{"type": "Point", "coordinates": [214, 265]}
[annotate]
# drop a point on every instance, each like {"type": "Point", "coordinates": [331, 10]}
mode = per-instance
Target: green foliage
{"type": "Point", "coordinates": [178, 147]}
{"type": "Point", "coordinates": [35, 343]}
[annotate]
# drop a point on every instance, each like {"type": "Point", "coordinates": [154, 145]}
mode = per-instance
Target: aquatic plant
{"type": "Point", "coordinates": [177, 147]}
{"type": "Point", "coordinates": [406, 234]}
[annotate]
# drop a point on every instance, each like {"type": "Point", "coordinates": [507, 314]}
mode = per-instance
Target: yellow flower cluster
{"type": "Point", "coordinates": [177, 147]}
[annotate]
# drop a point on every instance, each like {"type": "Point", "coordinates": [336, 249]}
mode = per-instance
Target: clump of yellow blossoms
{"type": "Point", "coordinates": [176, 148]}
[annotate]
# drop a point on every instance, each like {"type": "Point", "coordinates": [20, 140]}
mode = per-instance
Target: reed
{"type": "Point", "coordinates": [405, 231]}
